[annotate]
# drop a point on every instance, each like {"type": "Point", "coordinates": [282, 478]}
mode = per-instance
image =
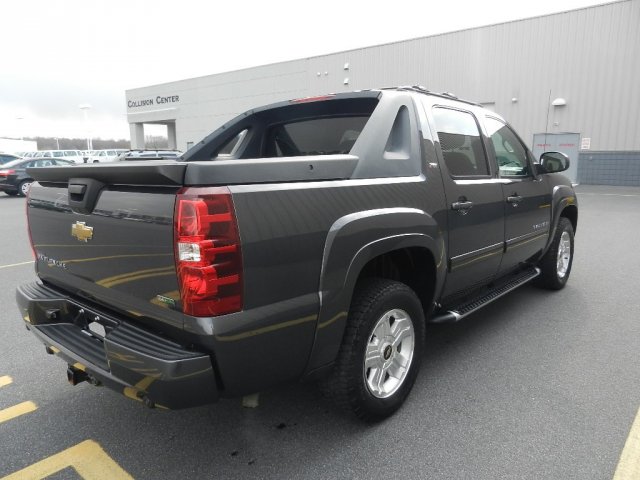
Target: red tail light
{"type": "Point", "coordinates": [6, 172]}
{"type": "Point", "coordinates": [208, 254]}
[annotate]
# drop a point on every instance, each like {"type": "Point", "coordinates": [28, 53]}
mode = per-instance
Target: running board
{"type": "Point", "coordinates": [465, 309]}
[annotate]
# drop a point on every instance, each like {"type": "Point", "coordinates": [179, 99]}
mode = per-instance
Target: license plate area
{"type": "Point", "coordinates": [94, 324]}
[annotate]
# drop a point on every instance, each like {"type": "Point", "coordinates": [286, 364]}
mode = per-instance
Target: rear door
{"type": "Point", "coordinates": [527, 199]}
{"type": "Point", "coordinates": [474, 199]}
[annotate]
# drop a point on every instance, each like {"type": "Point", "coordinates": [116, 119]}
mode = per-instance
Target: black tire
{"type": "Point", "coordinates": [552, 276]}
{"type": "Point", "coordinates": [23, 187]}
{"type": "Point", "coordinates": [347, 384]}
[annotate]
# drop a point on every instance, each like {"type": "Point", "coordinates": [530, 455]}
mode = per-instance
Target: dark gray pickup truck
{"type": "Point", "coordinates": [306, 240]}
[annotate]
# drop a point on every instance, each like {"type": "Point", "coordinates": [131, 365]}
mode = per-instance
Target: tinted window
{"type": "Point", "coordinates": [511, 155]}
{"type": "Point", "coordinates": [319, 136]}
{"type": "Point", "coordinates": [460, 142]}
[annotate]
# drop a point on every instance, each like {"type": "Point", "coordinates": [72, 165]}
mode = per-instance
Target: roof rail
{"type": "Point", "coordinates": [421, 89]}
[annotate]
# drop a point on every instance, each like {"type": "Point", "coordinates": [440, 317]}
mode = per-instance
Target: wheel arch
{"type": "Point", "coordinates": [384, 242]}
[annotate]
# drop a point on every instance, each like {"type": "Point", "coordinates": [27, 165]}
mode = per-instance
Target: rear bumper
{"type": "Point", "coordinates": [135, 362]}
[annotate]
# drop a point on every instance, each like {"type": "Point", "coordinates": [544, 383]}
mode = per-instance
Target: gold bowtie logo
{"type": "Point", "coordinates": [81, 231]}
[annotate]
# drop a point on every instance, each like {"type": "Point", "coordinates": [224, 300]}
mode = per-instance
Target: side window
{"type": "Point", "coordinates": [460, 142]}
{"type": "Point", "coordinates": [511, 155]}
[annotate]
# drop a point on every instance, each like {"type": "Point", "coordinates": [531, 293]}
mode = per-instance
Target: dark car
{"type": "Point", "coordinates": [14, 179]}
{"type": "Point", "coordinates": [8, 157]}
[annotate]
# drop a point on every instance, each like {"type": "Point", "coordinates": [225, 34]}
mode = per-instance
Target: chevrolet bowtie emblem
{"type": "Point", "coordinates": [81, 231]}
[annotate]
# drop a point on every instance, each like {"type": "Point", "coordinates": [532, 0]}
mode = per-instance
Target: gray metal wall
{"type": "Point", "coordinates": [590, 57]}
{"type": "Point", "coordinates": [609, 168]}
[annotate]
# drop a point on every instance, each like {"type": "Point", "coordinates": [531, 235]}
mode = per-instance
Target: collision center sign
{"type": "Point", "coordinates": [149, 102]}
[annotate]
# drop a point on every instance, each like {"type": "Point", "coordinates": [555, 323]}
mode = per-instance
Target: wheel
{"type": "Point", "coordinates": [23, 188]}
{"type": "Point", "coordinates": [381, 350]}
{"type": "Point", "coordinates": [556, 264]}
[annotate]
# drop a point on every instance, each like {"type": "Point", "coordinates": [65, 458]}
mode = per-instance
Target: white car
{"type": "Point", "coordinates": [74, 156]}
{"type": "Point", "coordinates": [102, 156]}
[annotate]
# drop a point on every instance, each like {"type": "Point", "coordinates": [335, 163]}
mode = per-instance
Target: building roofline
{"type": "Point", "coordinates": [412, 39]}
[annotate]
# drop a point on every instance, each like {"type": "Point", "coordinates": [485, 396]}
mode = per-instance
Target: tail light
{"type": "Point", "coordinates": [6, 172]}
{"type": "Point", "coordinates": [208, 254]}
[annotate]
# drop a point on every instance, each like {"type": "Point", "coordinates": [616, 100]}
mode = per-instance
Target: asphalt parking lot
{"type": "Point", "coordinates": [537, 385]}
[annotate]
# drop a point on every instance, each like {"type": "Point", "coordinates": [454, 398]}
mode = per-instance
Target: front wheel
{"type": "Point", "coordinates": [381, 350]}
{"type": "Point", "coordinates": [24, 187]}
{"type": "Point", "coordinates": [556, 264]}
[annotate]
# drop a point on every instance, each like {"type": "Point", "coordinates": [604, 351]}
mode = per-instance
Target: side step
{"type": "Point", "coordinates": [461, 311]}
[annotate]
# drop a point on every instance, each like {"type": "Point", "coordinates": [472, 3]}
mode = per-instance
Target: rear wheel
{"type": "Point", "coordinates": [556, 264]}
{"type": "Point", "coordinates": [24, 187]}
{"type": "Point", "coordinates": [381, 350]}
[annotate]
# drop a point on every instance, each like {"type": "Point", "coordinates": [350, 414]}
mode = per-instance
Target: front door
{"type": "Point", "coordinates": [527, 199]}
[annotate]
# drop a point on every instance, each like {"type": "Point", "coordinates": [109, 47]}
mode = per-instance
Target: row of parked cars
{"type": "Point", "coordinates": [99, 156]}
{"type": "Point", "coordinates": [16, 181]}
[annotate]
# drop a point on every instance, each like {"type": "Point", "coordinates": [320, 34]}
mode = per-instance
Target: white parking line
{"type": "Point", "coordinates": [16, 264]}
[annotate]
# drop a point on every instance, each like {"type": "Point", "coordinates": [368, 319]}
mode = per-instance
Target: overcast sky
{"type": "Point", "coordinates": [56, 55]}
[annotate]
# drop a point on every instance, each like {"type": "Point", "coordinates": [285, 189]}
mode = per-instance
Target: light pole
{"type": "Point", "coordinates": [58, 144]}
{"type": "Point", "coordinates": [19, 119]}
{"type": "Point", "coordinates": [85, 108]}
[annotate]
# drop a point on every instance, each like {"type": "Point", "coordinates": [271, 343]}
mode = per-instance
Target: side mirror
{"type": "Point", "coordinates": [554, 162]}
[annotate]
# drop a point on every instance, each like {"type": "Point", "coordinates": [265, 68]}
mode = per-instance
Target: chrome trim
{"type": "Point", "coordinates": [474, 256]}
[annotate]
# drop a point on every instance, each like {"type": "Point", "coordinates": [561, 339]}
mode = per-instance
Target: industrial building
{"type": "Point", "coordinates": [568, 81]}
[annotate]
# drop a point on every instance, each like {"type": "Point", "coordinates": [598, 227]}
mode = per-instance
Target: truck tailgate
{"type": "Point", "coordinates": [116, 248]}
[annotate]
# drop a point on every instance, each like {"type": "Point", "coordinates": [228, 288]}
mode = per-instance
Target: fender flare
{"type": "Point", "coordinates": [351, 243]}
{"type": "Point", "coordinates": [562, 197]}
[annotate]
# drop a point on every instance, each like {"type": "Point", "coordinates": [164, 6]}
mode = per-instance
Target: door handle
{"type": "Point", "coordinates": [514, 199]}
{"type": "Point", "coordinates": [462, 205]}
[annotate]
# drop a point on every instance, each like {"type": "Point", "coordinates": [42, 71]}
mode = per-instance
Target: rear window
{"type": "Point", "coordinates": [318, 136]}
{"type": "Point", "coordinates": [297, 128]}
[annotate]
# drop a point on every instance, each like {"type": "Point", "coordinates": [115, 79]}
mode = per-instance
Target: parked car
{"type": "Point", "coordinates": [72, 155]}
{"type": "Point", "coordinates": [8, 157]}
{"type": "Point", "coordinates": [149, 155]}
{"type": "Point", "coordinates": [103, 156]}
{"type": "Point", "coordinates": [14, 179]}
{"type": "Point", "coordinates": [310, 239]}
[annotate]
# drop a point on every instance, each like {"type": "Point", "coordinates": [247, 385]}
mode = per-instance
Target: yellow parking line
{"type": "Point", "coordinates": [5, 380]}
{"type": "Point", "coordinates": [16, 264]}
{"type": "Point", "coordinates": [17, 410]}
{"type": "Point", "coordinates": [629, 464]}
{"type": "Point", "coordinates": [87, 458]}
